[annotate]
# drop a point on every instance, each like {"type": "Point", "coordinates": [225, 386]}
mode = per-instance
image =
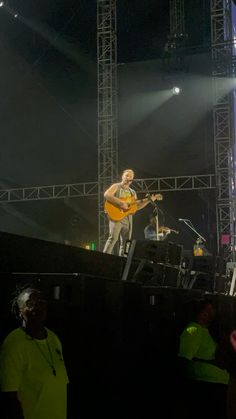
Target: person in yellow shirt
{"type": "Point", "coordinates": [33, 375]}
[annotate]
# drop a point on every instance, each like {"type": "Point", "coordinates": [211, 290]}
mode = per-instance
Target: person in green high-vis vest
{"type": "Point", "coordinates": [205, 382]}
{"type": "Point", "coordinates": [33, 375]}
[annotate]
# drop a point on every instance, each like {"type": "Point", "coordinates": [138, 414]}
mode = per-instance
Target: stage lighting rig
{"type": "Point", "coordinates": [176, 90]}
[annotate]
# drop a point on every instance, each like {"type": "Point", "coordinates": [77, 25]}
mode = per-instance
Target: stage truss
{"type": "Point", "coordinates": [91, 189]}
{"type": "Point", "coordinates": [223, 67]}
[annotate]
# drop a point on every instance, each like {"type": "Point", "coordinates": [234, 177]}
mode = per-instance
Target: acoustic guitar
{"type": "Point", "coordinates": [115, 213]}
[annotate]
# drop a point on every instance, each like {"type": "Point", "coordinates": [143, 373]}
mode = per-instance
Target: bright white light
{"type": "Point", "coordinates": [16, 15]}
{"type": "Point", "coordinates": [1, 3]}
{"type": "Point", "coordinates": [176, 90]}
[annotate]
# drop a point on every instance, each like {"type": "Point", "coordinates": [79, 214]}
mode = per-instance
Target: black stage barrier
{"type": "Point", "coordinates": [24, 254]}
{"type": "Point", "coordinates": [158, 274]}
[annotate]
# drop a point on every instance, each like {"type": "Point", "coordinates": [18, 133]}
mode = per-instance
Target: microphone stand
{"type": "Point", "coordinates": [157, 222]}
{"type": "Point", "coordinates": [155, 211]}
{"type": "Point", "coordinates": [189, 224]}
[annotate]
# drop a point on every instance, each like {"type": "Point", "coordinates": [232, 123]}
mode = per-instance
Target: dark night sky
{"type": "Point", "coordinates": [48, 103]}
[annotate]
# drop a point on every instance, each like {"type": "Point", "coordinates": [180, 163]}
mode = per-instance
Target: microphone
{"type": "Point", "coordinates": [183, 219]}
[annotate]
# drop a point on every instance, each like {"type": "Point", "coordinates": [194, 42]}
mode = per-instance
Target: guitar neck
{"type": "Point", "coordinates": [136, 201]}
{"type": "Point", "coordinates": [140, 201]}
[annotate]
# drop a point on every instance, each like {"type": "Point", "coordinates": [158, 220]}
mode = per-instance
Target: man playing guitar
{"type": "Point", "coordinates": [121, 203]}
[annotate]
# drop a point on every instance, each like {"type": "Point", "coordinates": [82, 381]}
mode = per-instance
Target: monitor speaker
{"type": "Point", "coordinates": [158, 252]}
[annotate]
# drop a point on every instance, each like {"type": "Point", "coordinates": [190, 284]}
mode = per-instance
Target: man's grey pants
{"type": "Point", "coordinates": [119, 230]}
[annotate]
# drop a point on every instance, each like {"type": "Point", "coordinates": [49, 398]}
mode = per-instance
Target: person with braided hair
{"type": "Point", "coordinates": [33, 375]}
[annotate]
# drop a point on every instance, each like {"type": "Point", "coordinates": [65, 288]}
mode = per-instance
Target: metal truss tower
{"type": "Point", "coordinates": [107, 105]}
{"type": "Point", "coordinates": [175, 46]}
{"type": "Point", "coordinates": [223, 117]}
{"type": "Point", "coordinates": [177, 19]}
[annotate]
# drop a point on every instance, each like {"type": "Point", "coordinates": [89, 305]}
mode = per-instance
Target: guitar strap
{"type": "Point", "coordinates": [124, 193]}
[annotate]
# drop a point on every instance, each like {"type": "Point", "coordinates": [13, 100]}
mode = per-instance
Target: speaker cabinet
{"type": "Point", "coordinates": [158, 252]}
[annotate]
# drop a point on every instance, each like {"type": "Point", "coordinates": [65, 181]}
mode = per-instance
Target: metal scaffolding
{"type": "Point", "coordinates": [223, 117]}
{"type": "Point", "coordinates": [107, 106]}
{"type": "Point", "coordinates": [177, 18]}
{"type": "Point", "coordinates": [90, 189]}
{"type": "Point", "coordinates": [177, 35]}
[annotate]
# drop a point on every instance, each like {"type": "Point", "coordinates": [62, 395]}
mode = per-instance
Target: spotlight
{"type": "Point", "coordinates": [15, 15]}
{"type": "Point", "coordinates": [1, 3]}
{"type": "Point", "coordinates": [176, 90]}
